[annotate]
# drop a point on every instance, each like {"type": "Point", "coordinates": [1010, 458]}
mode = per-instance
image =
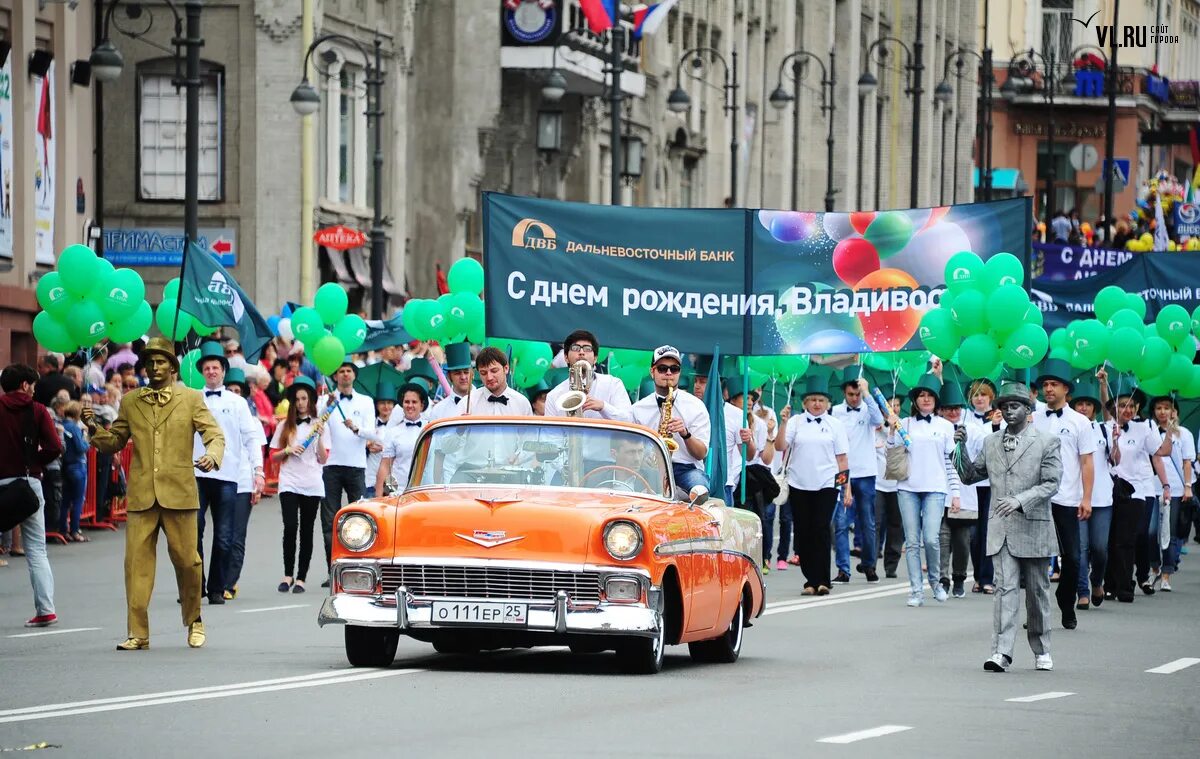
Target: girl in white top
{"type": "Point", "coordinates": [301, 445]}
{"type": "Point", "coordinates": [401, 439]}
{"type": "Point", "coordinates": [1094, 531]}
{"type": "Point", "coordinates": [922, 495]}
{"type": "Point", "coordinates": [1178, 468]}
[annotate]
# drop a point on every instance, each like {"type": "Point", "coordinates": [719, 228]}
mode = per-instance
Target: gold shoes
{"type": "Point", "coordinates": [196, 634]}
{"type": "Point", "coordinates": [134, 644]}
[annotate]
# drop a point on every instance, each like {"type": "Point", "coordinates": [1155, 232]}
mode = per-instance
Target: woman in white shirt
{"type": "Point", "coordinates": [301, 446]}
{"type": "Point", "coordinates": [401, 438]}
{"type": "Point", "coordinates": [817, 467]}
{"type": "Point", "coordinates": [922, 495]}
{"type": "Point", "coordinates": [1178, 468]}
{"type": "Point", "coordinates": [1094, 531]}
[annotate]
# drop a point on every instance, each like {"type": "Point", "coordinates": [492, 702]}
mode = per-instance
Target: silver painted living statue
{"type": "Point", "coordinates": [1024, 467]}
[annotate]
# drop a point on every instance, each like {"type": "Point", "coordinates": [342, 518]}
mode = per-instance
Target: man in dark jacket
{"type": "Point", "coordinates": [27, 443]}
{"type": "Point", "coordinates": [52, 380]}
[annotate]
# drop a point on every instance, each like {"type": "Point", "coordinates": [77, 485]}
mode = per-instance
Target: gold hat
{"type": "Point", "coordinates": [163, 347]}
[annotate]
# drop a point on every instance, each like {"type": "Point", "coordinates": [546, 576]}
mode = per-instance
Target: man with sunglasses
{"type": "Point", "coordinates": [689, 424]}
{"type": "Point", "coordinates": [606, 398]}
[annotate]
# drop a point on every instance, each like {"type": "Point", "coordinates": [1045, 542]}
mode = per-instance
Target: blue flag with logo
{"type": "Point", "coordinates": [213, 297]}
{"type": "Point", "coordinates": [716, 464]}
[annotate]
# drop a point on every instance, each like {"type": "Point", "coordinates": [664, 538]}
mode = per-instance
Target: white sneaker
{"type": "Point", "coordinates": [915, 600]}
{"type": "Point", "coordinates": [940, 595]}
{"type": "Point", "coordinates": [997, 663]}
{"type": "Point", "coordinates": [1165, 587]}
{"type": "Point", "coordinates": [1043, 662]}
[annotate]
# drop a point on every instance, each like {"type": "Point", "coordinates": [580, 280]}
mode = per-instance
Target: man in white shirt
{"type": "Point", "coordinates": [385, 404]}
{"type": "Point", "coordinates": [689, 425]}
{"type": "Point", "coordinates": [1072, 503]}
{"type": "Point", "coordinates": [1095, 532]}
{"type": "Point", "coordinates": [351, 426]}
{"type": "Point", "coordinates": [1178, 468]}
{"type": "Point", "coordinates": [478, 446]}
{"type": "Point", "coordinates": [495, 398]}
{"type": "Point", "coordinates": [860, 416]}
{"type": "Point", "coordinates": [218, 488]}
{"type": "Point", "coordinates": [458, 372]}
{"type": "Point", "coordinates": [249, 490]}
{"type": "Point", "coordinates": [606, 398]}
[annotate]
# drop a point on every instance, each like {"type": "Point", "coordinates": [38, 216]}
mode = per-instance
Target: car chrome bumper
{"type": "Point", "coordinates": [405, 612]}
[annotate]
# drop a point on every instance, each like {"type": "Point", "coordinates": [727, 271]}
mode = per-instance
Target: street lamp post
{"type": "Point", "coordinates": [989, 79]}
{"type": "Point", "coordinates": [679, 102]}
{"type": "Point", "coordinates": [1110, 131]}
{"type": "Point", "coordinates": [944, 91]}
{"type": "Point", "coordinates": [781, 97]}
{"type": "Point", "coordinates": [307, 101]}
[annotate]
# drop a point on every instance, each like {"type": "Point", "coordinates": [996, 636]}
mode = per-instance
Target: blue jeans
{"type": "Point", "coordinates": [688, 477]}
{"type": "Point", "coordinates": [33, 538]}
{"type": "Point", "coordinates": [1093, 549]}
{"type": "Point", "coordinates": [922, 517]}
{"type": "Point", "coordinates": [1147, 554]}
{"type": "Point", "coordinates": [1170, 562]}
{"type": "Point", "coordinates": [74, 492]}
{"type": "Point", "coordinates": [237, 543]}
{"type": "Point", "coordinates": [221, 497]}
{"type": "Point", "coordinates": [785, 532]}
{"type": "Point", "coordinates": [862, 514]}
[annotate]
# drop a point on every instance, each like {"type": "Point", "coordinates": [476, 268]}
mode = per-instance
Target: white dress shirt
{"type": "Point", "coordinates": [1102, 484]}
{"type": "Point", "coordinates": [445, 408]}
{"type": "Point", "coordinates": [1183, 448]}
{"type": "Point", "coordinates": [374, 458]}
{"type": "Point", "coordinates": [346, 447]}
{"type": "Point", "coordinates": [518, 404]}
{"type": "Point", "coordinates": [246, 474]}
{"type": "Point", "coordinates": [606, 388]}
{"type": "Point", "coordinates": [733, 444]}
{"type": "Point", "coordinates": [814, 443]}
{"type": "Point", "coordinates": [243, 435]}
{"type": "Point", "coordinates": [860, 423]}
{"type": "Point", "coordinates": [398, 445]}
{"type": "Point", "coordinates": [301, 474]}
{"type": "Point", "coordinates": [758, 430]}
{"type": "Point", "coordinates": [1075, 438]}
{"type": "Point", "coordinates": [1139, 441]}
{"type": "Point", "coordinates": [686, 407]}
{"type": "Point", "coordinates": [929, 467]}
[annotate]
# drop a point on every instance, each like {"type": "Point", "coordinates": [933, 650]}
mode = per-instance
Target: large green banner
{"type": "Point", "coordinates": [753, 282]}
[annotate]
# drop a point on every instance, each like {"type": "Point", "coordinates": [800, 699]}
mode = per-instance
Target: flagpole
{"type": "Point", "coordinates": [745, 419]}
{"type": "Point", "coordinates": [179, 296]}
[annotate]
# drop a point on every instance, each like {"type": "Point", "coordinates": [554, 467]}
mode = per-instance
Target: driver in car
{"type": "Point", "coordinates": [630, 469]}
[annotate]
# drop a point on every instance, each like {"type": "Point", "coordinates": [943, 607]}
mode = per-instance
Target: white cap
{"type": "Point", "coordinates": [666, 351]}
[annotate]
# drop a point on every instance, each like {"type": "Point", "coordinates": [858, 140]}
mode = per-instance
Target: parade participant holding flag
{"type": "Point", "coordinates": [249, 490]}
{"type": "Point", "coordinates": [301, 446]}
{"type": "Point", "coordinates": [860, 415]}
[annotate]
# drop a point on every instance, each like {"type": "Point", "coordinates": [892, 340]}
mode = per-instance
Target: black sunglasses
{"type": "Point", "coordinates": [668, 368]}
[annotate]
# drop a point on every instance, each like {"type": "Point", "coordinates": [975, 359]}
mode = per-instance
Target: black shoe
{"type": "Point", "coordinates": [859, 568]}
{"type": "Point", "coordinates": [1147, 588]}
{"type": "Point", "coordinates": [872, 575]}
{"type": "Point", "coordinates": [842, 578]}
{"type": "Point", "coordinates": [284, 587]}
{"type": "Point", "coordinates": [1125, 599]}
{"type": "Point", "coordinates": [855, 552]}
{"type": "Point", "coordinates": [325, 584]}
{"type": "Point", "coordinates": [216, 598]}
{"type": "Point", "coordinates": [890, 574]}
{"type": "Point", "coordinates": [1070, 623]}
{"type": "Point", "coordinates": [945, 582]}
{"type": "Point", "coordinates": [297, 588]}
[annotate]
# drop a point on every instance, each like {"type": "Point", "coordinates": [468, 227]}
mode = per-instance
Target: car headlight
{"type": "Point", "coordinates": [623, 540]}
{"type": "Point", "coordinates": [357, 531]}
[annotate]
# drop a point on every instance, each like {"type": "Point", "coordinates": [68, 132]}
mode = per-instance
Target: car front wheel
{"type": "Point", "coordinates": [371, 646]}
{"type": "Point", "coordinates": [724, 649]}
{"type": "Point", "coordinates": [642, 656]}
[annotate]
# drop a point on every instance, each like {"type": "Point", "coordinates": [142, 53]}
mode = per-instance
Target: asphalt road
{"type": "Point", "coordinates": [856, 671]}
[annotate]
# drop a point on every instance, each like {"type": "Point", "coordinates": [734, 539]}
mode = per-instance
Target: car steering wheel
{"type": "Point", "coordinates": [618, 483]}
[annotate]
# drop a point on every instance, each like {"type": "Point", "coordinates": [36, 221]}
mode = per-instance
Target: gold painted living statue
{"type": "Point", "coordinates": [162, 420]}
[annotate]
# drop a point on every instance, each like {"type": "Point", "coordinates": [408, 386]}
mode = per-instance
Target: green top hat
{"type": "Point", "coordinates": [850, 375]}
{"type": "Point", "coordinates": [236, 376]}
{"type": "Point", "coordinates": [210, 350]}
{"type": "Point", "coordinates": [458, 356]}
{"type": "Point", "coordinates": [1011, 390]}
{"type": "Point", "coordinates": [952, 395]}
{"type": "Point", "coordinates": [816, 383]}
{"type": "Point", "coordinates": [1056, 369]}
{"type": "Point", "coordinates": [386, 391]}
{"type": "Point", "coordinates": [541, 388]}
{"type": "Point", "coordinates": [735, 384]}
{"type": "Point", "coordinates": [162, 347]}
{"type": "Point", "coordinates": [930, 383]}
{"type": "Point", "coordinates": [420, 367]}
{"type": "Point", "coordinates": [299, 382]}
{"type": "Point", "coordinates": [1085, 388]}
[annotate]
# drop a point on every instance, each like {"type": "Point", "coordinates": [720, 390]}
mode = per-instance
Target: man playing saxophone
{"type": "Point", "coordinates": [679, 417]}
{"type": "Point", "coordinates": [606, 397]}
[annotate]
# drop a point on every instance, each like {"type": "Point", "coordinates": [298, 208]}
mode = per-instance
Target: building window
{"type": "Point", "coordinates": [687, 183]}
{"type": "Point", "coordinates": [344, 136]}
{"type": "Point", "coordinates": [1056, 29]}
{"type": "Point", "coordinates": [162, 135]}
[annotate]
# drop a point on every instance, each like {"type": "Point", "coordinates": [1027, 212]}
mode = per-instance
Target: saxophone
{"type": "Point", "coordinates": [667, 437]}
{"type": "Point", "coordinates": [581, 377]}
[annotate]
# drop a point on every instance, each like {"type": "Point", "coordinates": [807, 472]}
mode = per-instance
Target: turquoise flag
{"type": "Point", "coordinates": [716, 464]}
{"type": "Point", "coordinates": [213, 297]}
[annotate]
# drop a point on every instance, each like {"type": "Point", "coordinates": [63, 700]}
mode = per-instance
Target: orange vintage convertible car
{"type": "Point", "coordinates": [535, 531]}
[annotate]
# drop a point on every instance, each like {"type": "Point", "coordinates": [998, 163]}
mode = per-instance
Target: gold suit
{"type": "Point", "coordinates": [162, 491]}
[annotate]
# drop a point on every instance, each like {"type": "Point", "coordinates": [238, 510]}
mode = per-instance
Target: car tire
{"type": "Point", "coordinates": [726, 648]}
{"type": "Point", "coordinates": [642, 656]}
{"type": "Point", "coordinates": [452, 646]}
{"type": "Point", "coordinates": [371, 646]}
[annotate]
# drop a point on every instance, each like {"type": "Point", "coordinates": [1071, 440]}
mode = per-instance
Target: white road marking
{"type": "Point", "coordinates": [1040, 697]}
{"type": "Point", "coordinates": [1172, 667]}
{"type": "Point", "coordinates": [862, 735]}
{"type": "Point", "coordinates": [273, 608]}
{"type": "Point", "coordinates": [823, 601]}
{"type": "Point", "coordinates": [196, 694]}
{"type": "Point", "coordinates": [55, 632]}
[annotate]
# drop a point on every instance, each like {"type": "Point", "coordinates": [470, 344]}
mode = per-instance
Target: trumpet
{"type": "Point", "coordinates": [668, 438]}
{"type": "Point", "coordinates": [580, 381]}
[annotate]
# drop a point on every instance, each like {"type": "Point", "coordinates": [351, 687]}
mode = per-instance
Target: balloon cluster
{"type": "Point", "coordinates": [326, 330]}
{"type": "Point", "coordinates": [172, 322]}
{"type": "Point", "coordinates": [85, 301]}
{"type": "Point", "coordinates": [985, 317]}
{"type": "Point", "coordinates": [455, 316]}
{"type": "Point", "coordinates": [908, 366]}
{"type": "Point", "coordinates": [530, 360]}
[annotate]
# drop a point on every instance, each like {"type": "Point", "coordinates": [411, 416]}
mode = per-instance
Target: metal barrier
{"type": "Point", "coordinates": [88, 517]}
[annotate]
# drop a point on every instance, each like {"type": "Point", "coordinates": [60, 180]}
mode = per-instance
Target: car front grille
{"type": "Point", "coordinates": [434, 581]}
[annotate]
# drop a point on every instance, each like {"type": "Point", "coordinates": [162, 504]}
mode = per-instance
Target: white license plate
{"type": "Point", "coordinates": [481, 612]}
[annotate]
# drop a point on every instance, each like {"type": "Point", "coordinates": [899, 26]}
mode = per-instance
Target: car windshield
{"type": "Point", "coordinates": [544, 454]}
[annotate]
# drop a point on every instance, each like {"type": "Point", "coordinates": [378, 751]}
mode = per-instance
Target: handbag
{"type": "Point", "coordinates": [896, 463]}
{"type": "Point", "coordinates": [18, 501]}
{"type": "Point", "coordinates": [781, 480]}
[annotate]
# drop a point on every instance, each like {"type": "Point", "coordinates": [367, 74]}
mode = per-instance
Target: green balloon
{"type": "Point", "coordinates": [330, 302]}
{"type": "Point", "coordinates": [964, 271]}
{"type": "Point", "coordinates": [103, 278]}
{"type": "Point", "coordinates": [1125, 348]}
{"type": "Point", "coordinates": [476, 321]}
{"type": "Point", "coordinates": [1060, 354]}
{"type": "Point", "coordinates": [1174, 324]}
{"type": "Point", "coordinates": [52, 334]}
{"type": "Point", "coordinates": [466, 276]}
{"type": "Point", "coordinates": [1058, 339]}
{"type": "Point", "coordinates": [203, 330]}
{"type": "Point", "coordinates": [1125, 318]}
{"type": "Point", "coordinates": [1033, 315]}
{"type": "Point", "coordinates": [171, 289]}
{"type": "Point", "coordinates": [53, 297]}
{"type": "Point", "coordinates": [884, 362]}
{"type": "Point", "coordinates": [1192, 389]}
{"type": "Point", "coordinates": [1108, 301]}
{"type": "Point", "coordinates": [166, 319]}
{"type": "Point", "coordinates": [132, 327]}
{"type": "Point", "coordinates": [1026, 346]}
{"type": "Point", "coordinates": [122, 295]}
{"type": "Point", "coordinates": [1155, 386]}
{"type": "Point", "coordinates": [328, 354]}
{"type": "Point", "coordinates": [1156, 354]}
{"type": "Point", "coordinates": [86, 323]}
{"type": "Point", "coordinates": [1006, 307]}
{"type": "Point", "coordinates": [78, 267]}
{"type": "Point", "coordinates": [352, 331]}
{"type": "Point", "coordinates": [1091, 342]}
{"type": "Point", "coordinates": [631, 376]}
{"type": "Point", "coordinates": [307, 325]}
{"type": "Point", "coordinates": [1187, 348]}
{"type": "Point", "coordinates": [1137, 304]}
{"type": "Point", "coordinates": [968, 312]}
{"type": "Point", "coordinates": [189, 374]}
{"type": "Point", "coordinates": [977, 356]}
{"type": "Point", "coordinates": [1178, 372]}
{"type": "Point", "coordinates": [791, 366]}
{"type": "Point", "coordinates": [938, 333]}
{"type": "Point", "coordinates": [1002, 269]}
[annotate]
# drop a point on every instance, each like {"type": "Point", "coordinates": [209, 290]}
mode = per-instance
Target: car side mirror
{"type": "Point", "coordinates": [697, 496]}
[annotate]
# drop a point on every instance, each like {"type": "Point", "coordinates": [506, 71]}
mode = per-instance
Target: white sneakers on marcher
{"type": "Point", "coordinates": [1043, 662]}
{"type": "Point", "coordinates": [997, 663]}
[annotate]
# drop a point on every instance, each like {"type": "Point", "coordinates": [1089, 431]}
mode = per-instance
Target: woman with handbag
{"type": "Point", "coordinates": [818, 466]}
{"type": "Point", "coordinates": [919, 450]}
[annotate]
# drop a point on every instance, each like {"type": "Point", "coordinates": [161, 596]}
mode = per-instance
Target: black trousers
{"type": "Point", "coordinates": [1122, 538]}
{"type": "Point", "coordinates": [812, 512]}
{"type": "Point", "coordinates": [338, 479]}
{"type": "Point", "coordinates": [1147, 555]}
{"type": "Point", "coordinates": [889, 528]}
{"type": "Point", "coordinates": [1066, 523]}
{"type": "Point", "coordinates": [299, 512]}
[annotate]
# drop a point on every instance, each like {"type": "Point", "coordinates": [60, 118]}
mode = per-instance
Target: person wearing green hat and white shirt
{"type": "Point", "coordinates": [458, 372]}
{"type": "Point", "coordinates": [1073, 501]}
{"type": "Point", "coordinates": [607, 397]}
{"type": "Point", "coordinates": [1094, 532]}
{"type": "Point", "coordinates": [817, 469]}
{"type": "Point", "coordinates": [958, 524]}
{"type": "Point", "coordinates": [861, 416]}
{"type": "Point", "coordinates": [385, 404]}
{"type": "Point", "coordinates": [301, 484]}
{"type": "Point", "coordinates": [922, 495]}
{"type": "Point", "coordinates": [249, 490]}
{"type": "Point", "coordinates": [1178, 468]}
{"type": "Point", "coordinates": [218, 488]}
{"type": "Point", "coordinates": [735, 436]}
{"type": "Point", "coordinates": [401, 438]}
{"type": "Point", "coordinates": [986, 417]}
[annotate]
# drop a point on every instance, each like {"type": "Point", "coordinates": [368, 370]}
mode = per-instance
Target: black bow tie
{"type": "Point", "coordinates": [305, 420]}
{"type": "Point", "coordinates": [347, 396]}
{"type": "Point", "coordinates": [1054, 412]}
{"type": "Point", "coordinates": [457, 398]}
{"type": "Point", "coordinates": [661, 400]}
{"type": "Point", "coordinates": [412, 424]}
{"type": "Point", "coordinates": [1125, 427]}
{"type": "Point", "coordinates": [854, 408]}
{"type": "Point", "coordinates": [211, 393]}
{"type": "Point", "coordinates": [979, 416]}
{"type": "Point", "coordinates": [810, 419]}
{"type": "Point", "coordinates": [502, 399]}
{"type": "Point", "coordinates": [920, 418]}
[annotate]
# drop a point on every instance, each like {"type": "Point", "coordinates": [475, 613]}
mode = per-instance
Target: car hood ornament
{"type": "Point", "coordinates": [489, 538]}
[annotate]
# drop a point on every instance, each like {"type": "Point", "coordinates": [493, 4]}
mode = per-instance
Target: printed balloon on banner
{"type": "Point", "coordinates": [836, 225]}
{"type": "Point", "coordinates": [861, 220]}
{"type": "Point", "coordinates": [853, 259]}
{"type": "Point", "coordinates": [888, 330]}
{"type": "Point", "coordinates": [889, 232]}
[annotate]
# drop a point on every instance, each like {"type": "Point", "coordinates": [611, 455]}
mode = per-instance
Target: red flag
{"type": "Point", "coordinates": [601, 15]}
{"type": "Point", "coordinates": [443, 285]}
